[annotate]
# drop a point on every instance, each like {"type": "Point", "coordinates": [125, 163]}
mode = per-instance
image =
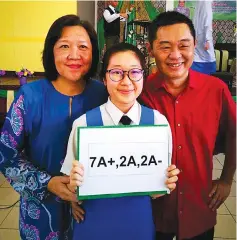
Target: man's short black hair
{"type": "Point", "coordinates": [166, 19]}
{"type": "Point", "coordinates": [55, 33]}
{"type": "Point", "coordinates": [121, 47]}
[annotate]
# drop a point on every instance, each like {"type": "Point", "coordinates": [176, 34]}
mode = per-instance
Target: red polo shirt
{"type": "Point", "coordinates": [194, 116]}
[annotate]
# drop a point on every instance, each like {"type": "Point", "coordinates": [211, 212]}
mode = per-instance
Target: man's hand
{"type": "Point", "coordinates": [207, 45]}
{"type": "Point", "coordinates": [220, 191]}
{"type": "Point", "coordinates": [124, 15]}
{"type": "Point", "coordinates": [58, 186]}
{"type": "Point", "coordinates": [77, 211]}
{"type": "Point", "coordinates": [131, 7]}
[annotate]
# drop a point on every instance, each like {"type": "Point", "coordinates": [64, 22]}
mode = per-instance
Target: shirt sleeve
{"type": "Point", "coordinates": [161, 119]}
{"type": "Point", "coordinates": [227, 135]}
{"type": "Point", "coordinates": [72, 145]}
{"type": "Point", "coordinates": [110, 17]}
{"type": "Point", "coordinates": [24, 177]}
{"type": "Point", "coordinates": [207, 18]}
{"type": "Point", "coordinates": [228, 115]}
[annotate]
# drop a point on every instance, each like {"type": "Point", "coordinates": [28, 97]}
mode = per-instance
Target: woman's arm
{"type": "Point", "coordinates": [24, 177]}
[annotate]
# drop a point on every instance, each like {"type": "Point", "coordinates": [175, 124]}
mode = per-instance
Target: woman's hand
{"type": "Point", "coordinates": [172, 174]}
{"type": "Point", "coordinates": [58, 186]}
{"type": "Point", "coordinates": [76, 175]}
{"type": "Point", "coordinates": [77, 211]}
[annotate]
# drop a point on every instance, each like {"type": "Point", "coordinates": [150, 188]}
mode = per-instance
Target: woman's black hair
{"type": "Point", "coordinates": [54, 34]}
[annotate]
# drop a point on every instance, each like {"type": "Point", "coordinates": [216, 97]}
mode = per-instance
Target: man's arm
{"type": "Point", "coordinates": [208, 36]}
{"type": "Point", "coordinates": [110, 17]}
{"type": "Point", "coordinates": [207, 15]}
{"type": "Point", "coordinates": [228, 126]}
{"type": "Point", "coordinates": [221, 187]}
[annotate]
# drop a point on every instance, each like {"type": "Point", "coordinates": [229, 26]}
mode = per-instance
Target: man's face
{"type": "Point", "coordinates": [181, 3]}
{"type": "Point", "coordinates": [173, 50]}
{"type": "Point", "coordinates": [114, 3]}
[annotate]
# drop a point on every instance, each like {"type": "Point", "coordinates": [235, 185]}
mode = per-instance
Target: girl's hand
{"type": "Point", "coordinates": [76, 175]}
{"type": "Point", "coordinates": [172, 173]}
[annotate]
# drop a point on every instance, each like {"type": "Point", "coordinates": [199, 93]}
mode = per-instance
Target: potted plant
{"type": "Point", "coordinates": [2, 73]}
{"type": "Point", "coordinates": [22, 74]}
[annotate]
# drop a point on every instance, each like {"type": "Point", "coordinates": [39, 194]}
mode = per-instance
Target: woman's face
{"type": "Point", "coordinates": [73, 53]}
{"type": "Point", "coordinates": [124, 93]}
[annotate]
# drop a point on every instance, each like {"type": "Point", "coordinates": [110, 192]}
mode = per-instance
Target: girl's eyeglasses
{"type": "Point", "coordinates": [134, 74]}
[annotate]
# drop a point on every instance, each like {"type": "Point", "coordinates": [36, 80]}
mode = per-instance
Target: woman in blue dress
{"type": "Point", "coordinates": [121, 218]}
{"type": "Point", "coordinates": [39, 122]}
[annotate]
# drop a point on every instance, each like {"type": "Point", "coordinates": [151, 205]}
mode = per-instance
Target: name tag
{"type": "Point", "coordinates": [123, 160]}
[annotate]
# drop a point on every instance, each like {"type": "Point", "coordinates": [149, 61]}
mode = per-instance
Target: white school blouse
{"type": "Point", "coordinates": [111, 116]}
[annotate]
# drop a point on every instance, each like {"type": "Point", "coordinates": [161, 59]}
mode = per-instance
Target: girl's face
{"type": "Point", "coordinates": [122, 90]}
{"type": "Point", "coordinates": [73, 53]}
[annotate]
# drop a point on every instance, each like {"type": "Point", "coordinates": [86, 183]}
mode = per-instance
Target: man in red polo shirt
{"type": "Point", "coordinates": [198, 107]}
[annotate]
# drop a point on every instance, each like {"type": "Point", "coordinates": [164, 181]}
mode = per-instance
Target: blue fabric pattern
{"type": "Point", "coordinates": [33, 145]}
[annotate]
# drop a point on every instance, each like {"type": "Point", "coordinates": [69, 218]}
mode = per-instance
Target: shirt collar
{"type": "Point", "coordinates": [116, 114]}
{"type": "Point", "coordinates": [112, 7]}
{"type": "Point", "coordinates": [159, 80]}
{"type": "Point", "coordinates": [194, 79]}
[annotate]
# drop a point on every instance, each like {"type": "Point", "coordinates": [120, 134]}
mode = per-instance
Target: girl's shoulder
{"type": "Point", "coordinates": [160, 118]}
{"type": "Point", "coordinates": [82, 120]}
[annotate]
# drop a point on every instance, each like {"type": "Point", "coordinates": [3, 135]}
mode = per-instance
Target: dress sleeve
{"type": "Point", "coordinates": [24, 177]}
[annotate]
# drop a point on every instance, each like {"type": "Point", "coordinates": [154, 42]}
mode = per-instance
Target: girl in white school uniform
{"type": "Point", "coordinates": [122, 218]}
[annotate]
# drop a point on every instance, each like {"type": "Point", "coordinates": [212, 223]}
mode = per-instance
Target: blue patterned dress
{"type": "Point", "coordinates": [39, 122]}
